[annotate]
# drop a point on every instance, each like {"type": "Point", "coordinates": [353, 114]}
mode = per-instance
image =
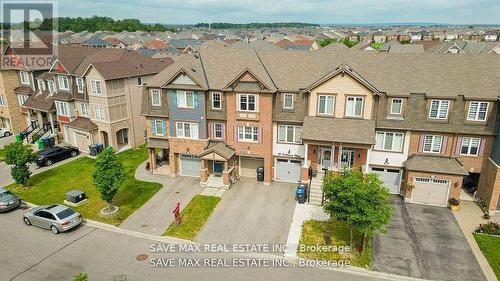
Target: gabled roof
{"type": "Point", "coordinates": [219, 148]}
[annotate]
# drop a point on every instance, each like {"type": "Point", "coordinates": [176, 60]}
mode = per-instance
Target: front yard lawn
{"type": "Point", "coordinates": [490, 246]}
{"type": "Point", "coordinates": [313, 234]}
{"type": "Point", "coordinates": [51, 186]}
{"type": "Point", "coordinates": [193, 217]}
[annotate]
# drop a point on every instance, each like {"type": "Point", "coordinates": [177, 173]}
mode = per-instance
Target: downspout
{"type": "Point", "coordinates": [132, 127]}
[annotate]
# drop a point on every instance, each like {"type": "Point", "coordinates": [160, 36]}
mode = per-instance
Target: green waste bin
{"type": "Point", "coordinates": [40, 143]}
{"type": "Point", "coordinates": [19, 138]}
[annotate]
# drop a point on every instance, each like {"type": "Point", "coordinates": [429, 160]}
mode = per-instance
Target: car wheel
{"type": "Point", "coordinates": [74, 153]}
{"type": "Point", "coordinates": [48, 162]}
{"type": "Point", "coordinates": [27, 221]}
{"type": "Point", "coordinates": [6, 134]}
{"type": "Point", "coordinates": [54, 229]}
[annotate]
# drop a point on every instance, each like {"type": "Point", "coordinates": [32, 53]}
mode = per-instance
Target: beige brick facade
{"type": "Point", "coordinates": [9, 80]}
{"type": "Point", "coordinates": [489, 185]}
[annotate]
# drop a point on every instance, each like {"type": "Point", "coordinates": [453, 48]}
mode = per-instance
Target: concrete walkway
{"type": "Point", "coordinates": [155, 215]}
{"type": "Point", "coordinates": [469, 217]}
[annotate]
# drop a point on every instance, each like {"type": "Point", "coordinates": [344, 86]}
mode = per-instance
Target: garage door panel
{"type": "Point", "coordinates": [288, 170]}
{"type": "Point", "coordinates": [248, 166]}
{"type": "Point", "coordinates": [81, 140]}
{"type": "Point", "coordinates": [390, 177]}
{"type": "Point", "coordinates": [190, 166]}
{"type": "Point", "coordinates": [430, 191]}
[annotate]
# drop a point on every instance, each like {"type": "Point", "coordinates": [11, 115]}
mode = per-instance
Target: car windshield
{"type": "Point", "coordinates": [6, 194]}
{"type": "Point", "coordinates": [65, 213]}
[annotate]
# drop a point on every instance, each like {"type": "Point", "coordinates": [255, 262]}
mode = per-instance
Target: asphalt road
{"type": "Point", "coordinates": [30, 253]}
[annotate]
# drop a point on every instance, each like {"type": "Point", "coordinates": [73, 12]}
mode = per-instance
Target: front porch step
{"type": "Point", "coordinates": [215, 182]}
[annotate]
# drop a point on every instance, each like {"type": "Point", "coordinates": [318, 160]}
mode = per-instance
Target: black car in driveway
{"type": "Point", "coordinates": [51, 155]}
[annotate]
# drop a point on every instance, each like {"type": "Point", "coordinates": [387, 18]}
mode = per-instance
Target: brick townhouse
{"type": "Point", "coordinates": [423, 123]}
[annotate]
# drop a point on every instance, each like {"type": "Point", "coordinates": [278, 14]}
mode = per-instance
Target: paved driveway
{"type": "Point", "coordinates": [425, 242]}
{"type": "Point", "coordinates": [251, 212]}
{"type": "Point", "coordinates": [6, 140]}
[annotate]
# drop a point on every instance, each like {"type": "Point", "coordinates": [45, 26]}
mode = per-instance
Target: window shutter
{"type": "Point", "coordinates": [223, 131]}
{"type": "Point", "coordinates": [235, 133]}
{"type": "Point", "coordinates": [153, 127]}
{"type": "Point", "coordinates": [174, 98]}
{"type": "Point", "coordinates": [421, 143]}
{"type": "Point", "coordinates": [458, 146]}
{"type": "Point", "coordinates": [444, 144]}
{"type": "Point", "coordinates": [195, 100]}
{"type": "Point", "coordinates": [481, 146]}
{"type": "Point", "coordinates": [259, 134]}
{"type": "Point", "coordinates": [211, 130]}
{"type": "Point", "coordinates": [164, 127]}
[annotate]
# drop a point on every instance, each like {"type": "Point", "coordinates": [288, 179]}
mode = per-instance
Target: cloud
{"type": "Point", "coordinates": [317, 11]}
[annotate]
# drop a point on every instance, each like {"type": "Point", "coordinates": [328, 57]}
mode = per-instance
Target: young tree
{"type": "Point", "coordinates": [109, 175]}
{"type": "Point", "coordinates": [19, 156]}
{"type": "Point", "coordinates": [81, 276]}
{"type": "Point", "coordinates": [360, 200]}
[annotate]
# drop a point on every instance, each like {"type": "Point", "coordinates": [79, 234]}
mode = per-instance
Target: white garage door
{"type": "Point", "coordinates": [248, 166]}
{"type": "Point", "coordinates": [390, 177]}
{"type": "Point", "coordinates": [190, 166]}
{"type": "Point", "coordinates": [288, 170]}
{"type": "Point", "coordinates": [82, 141]}
{"type": "Point", "coordinates": [430, 191]}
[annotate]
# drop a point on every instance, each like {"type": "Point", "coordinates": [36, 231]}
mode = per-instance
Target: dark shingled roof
{"type": "Point", "coordinates": [218, 148]}
{"type": "Point", "coordinates": [83, 124]}
{"type": "Point", "coordinates": [25, 90]}
{"type": "Point", "coordinates": [435, 164]}
{"type": "Point", "coordinates": [40, 101]}
{"type": "Point", "coordinates": [338, 130]}
{"type": "Point", "coordinates": [158, 143]}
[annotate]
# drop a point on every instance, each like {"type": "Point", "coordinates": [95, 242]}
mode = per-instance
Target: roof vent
{"type": "Point", "coordinates": [195, 55]}
{"type": "Point", "coordinates": [193, 70]}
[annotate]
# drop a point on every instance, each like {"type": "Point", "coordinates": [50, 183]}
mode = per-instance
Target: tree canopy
{"type": "Point", "coordinates": [109, 174]}
{"type": "Point", "coordinates": [19, 155]}
{"type": "Point", "coordinates": [226, 25]}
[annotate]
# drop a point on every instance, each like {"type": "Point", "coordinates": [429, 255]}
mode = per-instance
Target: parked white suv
{"type": "Point", "coordinates": [4, 132]}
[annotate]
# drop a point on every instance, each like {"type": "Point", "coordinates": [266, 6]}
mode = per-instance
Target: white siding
{"type": "Point", "coordinates": [395, 159]}
{"type": "Point", "coordinates": [286, 149]}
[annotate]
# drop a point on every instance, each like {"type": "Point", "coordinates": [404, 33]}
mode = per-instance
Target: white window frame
{"type": "Point", "coordinates": [248, 134]}
{"type": "Point", "coordinates": [63, 82]}
{"type": "Point", "coordinates": [62, 108]}
{"type": "Point", "coordinates": [25, 78]}
{"type": "Point", "coordinates": [400, 108]}
{"type": "Point", "coordinates": [354, 102]}
{"type": "Point", "coordinates": [158, 126]}
{"type": "Point", "coordinates": [2, 100]}
{"type": "Point", "coordinates": [99, 113]}
{"type": "Point", "coordinates": [439, 109]}
{"type": "Point", "coordinates": [283, 136]}
{"type": "Point", "coordinates": [84, 109]}
{"type": "Point", "coordinates": [327, 98]}
{"type": "Point", "coordinates": [214, 94]}
{"type": "Point", "coordinates": [218, 130]}
{"type": "Point", "coordinates": [22, 99]}
{"type": "Point", "coordinates": [291, 101]}
{"type": "Point", "coordinates": [40, 84]}
{"type": "Point", "coordinates": [182, 99]}
{"type": "Point", "coordinates": [52, 87]}
{"type": "Point", "coordinates": [255, 103]}
{"type": "Point", "coordinates": [469, 142]}
{"type": "Point", "coordinates": [80, 85]}
{"type": "Point", "coordinates": [154, 92]}
{"type": "Point", "coordinates": [180, 129]}
{"type": "Point", "coordinates": [139, 81]}
{"type": "Point", "coordinates": [478, 111]}
{"type": "Point", "coordinates": [95, 89]}
{"type": "Point", "coordinates": [434, 141]}
{"type": "Point", "coordinates": [381, 146]}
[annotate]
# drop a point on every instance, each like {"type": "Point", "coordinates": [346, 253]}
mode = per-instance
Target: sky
{"type": "Point", "coordinates": [311, 11]}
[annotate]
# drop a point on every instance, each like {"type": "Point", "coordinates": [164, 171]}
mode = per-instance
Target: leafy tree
{"type": "Point", "coordinates": [20, 155]}
{"type": "Point", "coordinates": [326, 41]}
{"type": "Point", "coordinates": [358, 199]}
{"type": "Point", "coordinates": [348, 42]}
{"type": "Point", "coordinates": [109, 175]}
{"type": "Point", "coordinates": [81, 276]}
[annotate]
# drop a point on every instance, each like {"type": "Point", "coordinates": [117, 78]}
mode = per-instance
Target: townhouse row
{"type": "Point", "coordinates": [83, 97]}
{"type": "Point", "coordinates": [425, 124]}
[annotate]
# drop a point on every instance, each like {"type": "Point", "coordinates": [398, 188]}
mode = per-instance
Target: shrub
{"type": "Point", "coordinates": [490, 228]}
{"type": "Point", "coordinates": [80, 276]}
{"type": "Point", "coordinates": [454, 201]}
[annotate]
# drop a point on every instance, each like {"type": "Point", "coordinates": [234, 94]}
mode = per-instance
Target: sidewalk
{"type": "Point", "coordinates": [155, 215]}
{"type": "Point", "coordinates": [469, 217]}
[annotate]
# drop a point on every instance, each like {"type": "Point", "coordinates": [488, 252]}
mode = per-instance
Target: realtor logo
{"type": "Point", "coordinates": [28, 31]}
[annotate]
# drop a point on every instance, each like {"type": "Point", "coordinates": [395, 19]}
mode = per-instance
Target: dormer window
{"type": "Point", "coordinates": [287, 101]}
{"type": "Point", "coordinates": [63, 82]}
{"type": "Point", "coordinates": [51, 86]}
{"type": "Point", "coordinates": [477, 111]}
{"type": "Point", "coordinates": [439, 109]}
{"type": "Point", "coordinates": [41, 85]}
{"type": "Point", "coordinates": [25, 79]}
{"type": "Point", "coordinates": [80, 85]}
{"type": "Point", "coordinates": [397, 106]}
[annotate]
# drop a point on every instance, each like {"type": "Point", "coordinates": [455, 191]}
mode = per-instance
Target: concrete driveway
{"type": "Point", "coordinates": [6, 140]}
{"type": "Point", "coordinates": [251, 212]}
{"type": "Point", "coordinates": [424, 242]}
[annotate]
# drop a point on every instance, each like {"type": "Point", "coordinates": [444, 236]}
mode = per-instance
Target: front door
{"type": "Point", "coordinates": [325, 157]}
{"type": "Point", "coordinates": [218, 167]}
{"type": "Point", "coordinates": [347, 158]}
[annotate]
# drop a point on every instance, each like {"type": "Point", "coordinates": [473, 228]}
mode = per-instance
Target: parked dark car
{"type": "Point", "coordinates": [8, 200]}
{"type": "Point", "coordinates": [51, 155]}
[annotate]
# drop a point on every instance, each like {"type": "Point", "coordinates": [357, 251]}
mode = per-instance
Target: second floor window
{"type": "Point", "coordinates": [389, 141]}
{"type": "Point", "coordinates": [216, 100]}
{"type": "Point", "coordinates": [248, 134]}
{"type": "Point", "coordinates": [325, 105]}
{"type": "Point", "coordinates": [287, 101]}
{"type": "Point", "coordinates": [96, 87]}
{"type": "Point", "coordinates": [79, 84]}
{"type": "Point", "coordinates": [84, 109]}
{"type": "Point", "coordinates": [159, 127]}
{"type": "Point", "coordinates": [155, 97]}
{"type": "Point", "coordinates": [25, 79]}
{"type": "Point", "coordinates": [185, 99]}
{"type": "Point", "coordinates": [187, 130]}
{"type": "Point", "coordinates": [2, 100]}
{"type": "Point", "coordinates": [432, 144]}
{"type": "Point", "coordinates": [439, 109]}
{"type": "Point", "coordinates": [218, 130]}
{"type": "Point", "coordinates": [22, 99]}
{"type": "Point", "coordinates": [354, 107]}
{"type": "Point", "coordinates": [470, 146]}
{"type": "Point", "coordinates": [289, 133]}
{"type": "Point", "coordinates": [477, 111]}
{"type": "Point", "coordinates": [41, 85]}
{"type": "Point", "coordinates": [397, 106]}
{"type": "Point", "coordinates": [99, 113]}
{"type": "Point", "coordinates": [63, 82]}
{"type": "Point", "coordinates": [247, 102]}
{"type": "Point", "coordinates": [52, 87]}
{"type": "Point", "coordinates": [62, 108]}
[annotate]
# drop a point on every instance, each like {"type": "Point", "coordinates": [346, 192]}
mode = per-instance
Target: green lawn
{"type": "Point", "coordinates": [490, 246]}
{"type": "Point", "coordinates": [2, 154]}
{"type": "Point", "coordinates": [193, 217]}
{"type": "Point", "coordinates": [51, 186]}
{"type": "Point", "coordinates": [313, 233]}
